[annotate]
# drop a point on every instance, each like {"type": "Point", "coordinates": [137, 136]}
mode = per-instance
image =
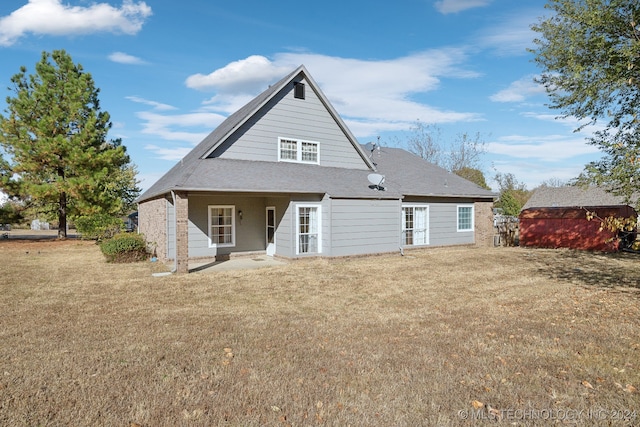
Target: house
{"type": "Point", "coordinates": [557, 218]}
{"type": "Point", "coordinates": [284, 175]}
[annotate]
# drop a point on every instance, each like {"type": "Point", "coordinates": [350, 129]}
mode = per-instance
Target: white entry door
{"type": "Point", "coordinates": [271, 231]}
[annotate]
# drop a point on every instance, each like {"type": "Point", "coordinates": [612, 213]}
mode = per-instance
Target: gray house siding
{"type": "Point", "coordinates": [444, 226]}
{"type": "Point", "coordinates": [285, 233]}
{"type": "Point", "coordinates": [348, 226]}
{"type": "Point", "coordinates": [327, 231]}
{"type": "Point", "coordinates": [250, 231]}
{"type": "Point", "coordinates": [364, 226]}
{"type": "Point", "coordinates": [288, 117]}
{"type": "Point", "coordinates": [443, 220]}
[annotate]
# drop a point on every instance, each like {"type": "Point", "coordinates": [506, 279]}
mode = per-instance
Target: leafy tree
{"type": "Point", "coordinates": [513, 194]}
{"type": "Point", "coordinates": [99, 227]}
{"type": "Point", "coordinates": [55, 138]}
{"type": "Point", "coordinates": [474, 175]}
{"type": "Point", "coordinates": [589, 51]}
{"type": "Point", "coordinates": [509, 204]}
{"type": "Point", "coordinates": [10, 213]}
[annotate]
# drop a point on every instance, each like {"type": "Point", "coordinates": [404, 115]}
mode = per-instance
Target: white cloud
{"type": "Point", "coordinates": [570, 122]}
{"type": "Point", "coordinates": [372, 96]}
{"type": "Point", "coordinates": [243, 76]}
{"type": "Point", "coordinates": [519, 90]}
{"type": "Point", "coordinates": [454, 6]}
{"type": "Point", "coordinates": [510, 35]}
{"type": "Point", "coordinates": [147, 179]}
{"type": "Point", "coordinates": [52, 17]}
{"type": "Point", "coordinates": [548, 148]}
{"type": "Point", "coordinates": [534, 173]}
{"type": "Point", "coordinates": [124, 58]}
{"type": "Point", "coordinates": [162, 125]}
{"type": "Point", "coordinates": [227, 103]}
{"type": "Point", "coordinates": [156, 105]}
{"type": "Point", "coordinates": [171, 154]}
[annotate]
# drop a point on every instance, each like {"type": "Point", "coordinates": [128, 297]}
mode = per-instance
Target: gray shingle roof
{"type": "Point", "coordinates": [412, 176]}
{"type": "Point", "coordinates": [406, 174]}
{"type": "Point", "coordinates": [230, 175]}
{"type": "Point", "coordinates": [574, 196]}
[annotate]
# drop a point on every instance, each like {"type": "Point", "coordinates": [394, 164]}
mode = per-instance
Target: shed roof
{"type": "Point", "coordinates": [573, 196]}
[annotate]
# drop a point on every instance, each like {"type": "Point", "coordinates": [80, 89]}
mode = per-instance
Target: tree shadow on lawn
{"type": "Point", "coordinates": [619, 271]}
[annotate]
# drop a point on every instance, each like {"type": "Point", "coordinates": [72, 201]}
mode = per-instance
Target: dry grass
{"type": "Point", "coordinates": [386, 340]}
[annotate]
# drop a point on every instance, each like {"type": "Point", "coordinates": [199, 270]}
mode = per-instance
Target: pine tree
{"type": "Point", "coordinates": [55, 139]}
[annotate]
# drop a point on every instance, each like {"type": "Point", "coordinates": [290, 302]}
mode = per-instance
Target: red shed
{"type": "Point", "coordinates": [557, 218]}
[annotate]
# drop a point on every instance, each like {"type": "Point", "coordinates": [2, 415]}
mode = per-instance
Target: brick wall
{"type": "Point", "coordinates": [484, 223]}
{"type": "Point", "coordinates": [152, 223]}
{"type": "Point", "coordinates": [182, 232]}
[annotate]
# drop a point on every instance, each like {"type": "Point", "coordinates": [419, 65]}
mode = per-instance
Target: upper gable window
{"type": "Point", "coordinates": [298, 90]}
{"type": "Point", "coordinates": [295, 150]}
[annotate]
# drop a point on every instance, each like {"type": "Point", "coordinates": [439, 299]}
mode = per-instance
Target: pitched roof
{"type": "Point", "coordinates": [574, 196]}
{"type": "Point", "coordinates": [406, 174]}
{"type": "Point", "coordinates": [231, 175]}
{"type": "Point", "coordinates": [411, 175]}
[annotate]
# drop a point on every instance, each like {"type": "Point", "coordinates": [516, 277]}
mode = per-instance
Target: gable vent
{"type": "Point", "coordinates": [298, 90]}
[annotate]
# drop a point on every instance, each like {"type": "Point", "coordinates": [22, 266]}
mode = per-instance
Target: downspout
{"type": "Point", "coordinates": [400, 242]}
{"type": "Point", "coordinates": [175, 233]}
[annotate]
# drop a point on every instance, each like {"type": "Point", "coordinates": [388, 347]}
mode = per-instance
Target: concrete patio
{"type": "Point", "coordinates": [244, 262]}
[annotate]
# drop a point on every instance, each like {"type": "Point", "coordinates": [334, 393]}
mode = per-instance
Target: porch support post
{"type": "Point", "coordinates": [182, 232]}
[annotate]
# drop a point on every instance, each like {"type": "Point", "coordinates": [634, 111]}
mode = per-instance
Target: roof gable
{"type": "Point", "coordinates": [252, 133]}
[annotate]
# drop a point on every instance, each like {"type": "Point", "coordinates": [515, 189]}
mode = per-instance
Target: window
{"type": "Point", "coordinates": [465, 218]}
{"type": "Point", "coordinates": [308, 229]}
{"type": "Point", "coordinates": [293, 150]}
{"type": "Point", "coordinates": [298, 90]}
{"type": "Point", "coordinates": [415, 225]}
{"type": "Point", "coordinates": [222, 226]}
{"type": "Point", "coordinates": [288, 149]}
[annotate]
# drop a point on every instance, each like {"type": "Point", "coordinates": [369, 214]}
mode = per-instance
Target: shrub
{"type": "Point", "coordinates": [124, 247]}
{"type": "Point", "coordinates": [98, 227]}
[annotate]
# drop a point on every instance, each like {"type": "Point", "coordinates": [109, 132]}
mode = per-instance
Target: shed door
{"type": "Point", "coordinates": [271, 230]}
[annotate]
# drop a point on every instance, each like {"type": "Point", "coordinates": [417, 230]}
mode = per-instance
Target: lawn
{"type": "Point", "coordinates": [445, 336]}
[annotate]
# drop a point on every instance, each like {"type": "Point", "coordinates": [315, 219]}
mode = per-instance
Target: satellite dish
{"type": "Point", "coordinates": [370, 146]}
{"type": "Point", "coordinates": [376, 181]}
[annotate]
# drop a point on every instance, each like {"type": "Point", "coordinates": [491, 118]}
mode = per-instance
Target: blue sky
{"type": "Point", "coordinates": [170, 72]}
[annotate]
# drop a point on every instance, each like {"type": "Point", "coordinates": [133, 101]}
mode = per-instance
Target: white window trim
{"type": "Point", "coordinates": [297, 233]}
{"type": "Point", "coordinates": [464, 230]}
{"type": "Point", "coordinates": [299, 151]}
{"type": "Point", "coordinates": [404, 228]}
{"type": "Point", "coordinates": [233, 226]}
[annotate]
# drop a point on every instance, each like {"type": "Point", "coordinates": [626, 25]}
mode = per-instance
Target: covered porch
{"type": "Point", "coordinates": [212, 228]}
